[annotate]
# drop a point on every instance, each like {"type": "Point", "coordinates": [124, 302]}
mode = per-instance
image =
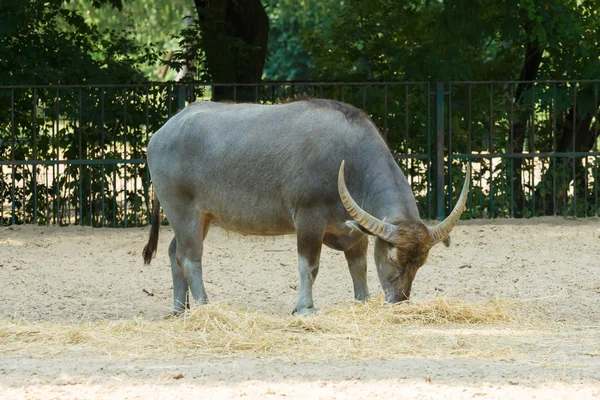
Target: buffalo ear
{"type": "Point", "coordinates": [356, 226]}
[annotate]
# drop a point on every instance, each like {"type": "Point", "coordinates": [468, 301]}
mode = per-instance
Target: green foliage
{"type": "Point", "coordinates": [148, 23]}
{"type": "Point", "coordinates": [456, 40]}
{"type": "Point", "coordinates": [289, 20]}
{"type": "Point", "coordinates": [43, 43]}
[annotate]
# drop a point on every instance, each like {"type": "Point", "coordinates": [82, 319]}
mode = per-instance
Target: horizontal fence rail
{"type": "Point", "coordinates": [76, 154]}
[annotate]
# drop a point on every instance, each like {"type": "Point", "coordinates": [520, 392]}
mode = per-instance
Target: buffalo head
{"type": "Point", "coordinates": [401, 248]}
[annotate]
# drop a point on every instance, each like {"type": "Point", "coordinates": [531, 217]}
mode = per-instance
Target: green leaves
{"type": "Point", "coordinates": [289, 57]}
{"type": "Point", "coordinates": [44, 43]}
{"type": "Point", "coordinates": [456, 40]}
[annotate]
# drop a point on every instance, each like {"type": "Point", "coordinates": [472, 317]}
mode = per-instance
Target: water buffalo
{"type": "Point", "coordinates": [279, 169]}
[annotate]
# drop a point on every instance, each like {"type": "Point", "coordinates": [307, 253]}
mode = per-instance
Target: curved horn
{"type": "Point", "coordinates": [373, 225]}
{"type": "Point", "coordinates": [441, 231]}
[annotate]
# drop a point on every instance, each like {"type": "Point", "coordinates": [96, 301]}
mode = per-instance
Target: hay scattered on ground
{"type": "Point", "coordinates": [441, 327]}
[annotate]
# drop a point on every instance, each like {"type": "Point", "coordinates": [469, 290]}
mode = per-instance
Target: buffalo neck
{"type": "Point", "coordinates": [388, 194]}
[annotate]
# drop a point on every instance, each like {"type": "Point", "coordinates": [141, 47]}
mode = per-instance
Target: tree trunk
{"type": "Point", "coordinates": [234, 38]}
{"type": "Point", "coordinates": [531, 65]}
{"type": "Point", "coordinates": [186, 71]}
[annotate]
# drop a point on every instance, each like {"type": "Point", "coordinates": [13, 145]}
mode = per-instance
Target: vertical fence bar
{"type": "Point", "coordinates": [68, 192]}
{"type": "Point", "coordinates": [90, 169]}
{"type": "Point", "coordinates": [124, 157]}
{"type": "Point", "coordinates": [180, 97]}
{"type": "Point", "coordinates": [450, 146]}
{"type": "Point", "coordinates": [440, 150]}
{"type": "Point", "coordinates": [147, 188]}
{"type": "Point", "coordinates": [12, 151]}
{"type": "Point", "coordinates": [573, 149]}
{"type": "Point", "coordinates": [554, 105]}
{"type": "Point", "coordinates": [170, 112]}
{"type": "Point", "coordinates": [135, 166]}
{"type": "Point", "coordinates": [586, 183]}
{"type": "Point", "coordinates": [532, 151]}
{"type": "Point", "coordinates": [585, 196]}
{"type": "Point", "coordinates": [596, 149]}
{"type": "Point", "coordinates": [511, 150]}
{"type": "Point", "coordinates": [429, 158]}
{"type": "Point", "coordinates": [50, 204]}
{"type": "Point", "coordinates": [47, 208]}
{"type": "Point", "coordinates": [385, 112]}
{"type": "Point", "coordinates": [481, 160]}
{"type": "Point", "coordinates": [24, 185]}
{"type": "Point", "coordinates": [102, 144]}
{"type": "Point", "coordinates": [364, 98]}
{"type": "Point", "coordinates": [469, 148]}
{"type": "Point", "coordinates": [543, 186]}
{"type": "Point", "coordinates": [114, 173]}
{"type": "Point", "coordinates": [564, 174]}
{"type": "Point", "coordinates": [55, 128]}
{"type": "Point", "coordinates": [80, 158]}
{"type": "Point", "coordinates": [57, 176]}
{"type": "Point", "coordinates": [34, 156]}
{"type": "Point", "coordinates": [491, 150]}
{"type": "Point", "coordinates": [406, 130]}
{"type": "Point", "coordinates": [503, 171]}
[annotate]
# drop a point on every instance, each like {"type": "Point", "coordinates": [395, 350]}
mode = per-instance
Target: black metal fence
{"type": "Point", "coordinates": [76, 154]}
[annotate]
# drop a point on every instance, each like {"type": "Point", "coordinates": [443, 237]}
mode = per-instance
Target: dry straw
{"type": "Point", "coordinates": [439, 327]}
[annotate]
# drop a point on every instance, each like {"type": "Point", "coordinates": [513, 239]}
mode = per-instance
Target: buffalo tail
{"type": "Point", "coordinates": [150, 248]}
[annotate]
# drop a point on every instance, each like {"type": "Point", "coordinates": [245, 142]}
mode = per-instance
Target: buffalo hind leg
{"type": "Point", "coordinates": [180, 287]}
{"type": "Point", "coordinates": [310, 241]}
{"type": "Point", "coordinates": [357, 263]}
{"type": "Point", "coordinates": [181, 295]}
{"type": "Point", "coordinates": [189, 229]}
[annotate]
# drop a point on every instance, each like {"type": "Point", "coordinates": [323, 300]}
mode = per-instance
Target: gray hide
{"type": "Point", "coordinates": [273, 170]}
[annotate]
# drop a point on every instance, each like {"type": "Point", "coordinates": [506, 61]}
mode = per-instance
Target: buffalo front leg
{"type": "Point", "coordinates": [180, 287]}
{"type": "Point", "coordinates": [357, 263]}
{"type": "Point", "coordinates": [310, 241]}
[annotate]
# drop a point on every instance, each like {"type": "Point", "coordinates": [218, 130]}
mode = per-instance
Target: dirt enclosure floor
{"type": "Point", "coordinates": [510, 310]}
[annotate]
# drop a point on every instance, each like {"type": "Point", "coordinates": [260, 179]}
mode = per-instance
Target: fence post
{"type": "Point", "coordinates": [439, 160]}
{"type": "Point", "coordinates": [180, 97]}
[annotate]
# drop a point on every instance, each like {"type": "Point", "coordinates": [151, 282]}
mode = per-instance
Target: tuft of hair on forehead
{"type": "Point", "coordinates": [413, 241]}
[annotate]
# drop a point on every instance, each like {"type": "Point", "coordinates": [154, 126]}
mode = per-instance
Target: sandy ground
{"type": "Point", "coordinates": [65, 275]}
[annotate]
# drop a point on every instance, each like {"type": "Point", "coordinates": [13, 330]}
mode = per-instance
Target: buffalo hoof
{"type": "Point", "coordinates": [303, 312]}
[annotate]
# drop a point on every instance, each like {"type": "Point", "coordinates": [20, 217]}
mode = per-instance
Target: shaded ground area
{"type": "Point", "coordinates": [63, 276]}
